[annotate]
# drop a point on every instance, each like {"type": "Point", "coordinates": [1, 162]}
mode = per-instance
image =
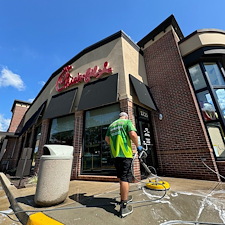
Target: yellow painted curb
{"type": "Point", "coordinates": [41, 219]}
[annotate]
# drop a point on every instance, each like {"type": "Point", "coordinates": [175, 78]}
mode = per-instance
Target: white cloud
{"type": "Point", "coordinates": [8, 78]}
{"type": "Point", "coordinates": [4, 123]}
{"type": "Point", "coordinates": [42, 83]}
{"type": "Point", "coordinates": [30, 100]}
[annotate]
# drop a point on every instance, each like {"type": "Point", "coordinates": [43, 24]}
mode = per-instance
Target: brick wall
{"type": "Point", "coordinates": [17, 116]}
{"type": "Point", "coordinates": [180, 136]}
{"type": "Point", "coordinates": [221, 169]}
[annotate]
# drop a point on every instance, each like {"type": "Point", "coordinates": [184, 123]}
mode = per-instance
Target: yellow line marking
{"type": "Point", "coordinates": [42, 219]}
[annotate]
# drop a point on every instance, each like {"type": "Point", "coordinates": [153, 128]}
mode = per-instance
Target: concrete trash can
{"type": "Point", "coordinates": [54, 175]}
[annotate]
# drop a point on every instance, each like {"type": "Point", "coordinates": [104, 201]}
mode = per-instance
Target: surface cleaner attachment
{"type": "Point", "coordinates": [155, 183]}
{"type": "Point", "coordinates": [158, 185]}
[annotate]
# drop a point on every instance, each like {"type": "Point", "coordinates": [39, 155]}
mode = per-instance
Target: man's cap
{"type": "Point", "coordinates": [123, 114]}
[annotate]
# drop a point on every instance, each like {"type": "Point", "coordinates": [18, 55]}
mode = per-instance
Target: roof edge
{"type": "Point", "coordinates": [96, 45]}
{"type": "Point", "coordinates": [162, 27]}
{"type": "Point", "coordinates": [19, 101]}
{"type": "Point", "coordinates": [206, 30]}
{"type": "Point", "coordinates": [85, 51]}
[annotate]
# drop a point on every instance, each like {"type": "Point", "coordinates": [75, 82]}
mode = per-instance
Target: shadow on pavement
{"type": "Point", "coordinates": [27, 200]}
{"type": "Point", "coordinates": [108, 204]}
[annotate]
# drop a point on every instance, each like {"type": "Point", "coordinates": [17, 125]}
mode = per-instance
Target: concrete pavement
{"type": "Point", "coordinates": [5, 207]}
{"type": "Point", "coordinates": [89, 202]}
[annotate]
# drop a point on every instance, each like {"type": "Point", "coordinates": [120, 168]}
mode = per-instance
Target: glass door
{"type": "Point", "coordinates": [145, 131]}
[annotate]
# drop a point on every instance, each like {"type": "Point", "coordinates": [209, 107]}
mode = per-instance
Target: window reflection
{"type": "Point", "coordinates": [217, 138]}
{"type": "Point", "coordinates": [62, 130]}
{"type": "Point", "coordinates": [197, 77]}
{"type": "Point", "coordinates": [209, 113]}
{"type": "Point", "coordinates": [207, 106]}
{"type": "Point", "coordinates": [36, 144]}
{"type": "Point", "coordinates": [220, 93]}
{"type": "Point", "coordinates": [215, 76]}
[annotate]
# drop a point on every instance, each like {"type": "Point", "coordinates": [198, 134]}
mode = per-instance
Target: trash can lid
{"type": "Point", "coordinates": [56, 157]}
{"type": "Point", "coordinates": [60, 150]}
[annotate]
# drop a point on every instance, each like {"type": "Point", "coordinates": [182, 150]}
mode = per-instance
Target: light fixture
{"type": "Point", "coordinates": [160, 116]}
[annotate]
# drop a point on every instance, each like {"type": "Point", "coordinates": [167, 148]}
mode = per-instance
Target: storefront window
{"type": "Point", "coordinates": [215, 76]}
{"type": "Point", "coordinates": [96, 155]}
{"type": "Point", "coordinates": [36, 142]}
{"type": "Point", "coordinates": [207, 106]}
{"type": "Point", "coordinates": [206, 101]}
{"type": "Point", "coordinates": [62, 130]}
{"type": "Point", "coordinates": [27, 144]}
{"type": "Point", "coordinates": [217, 138]}
{"type": "Point", "coordinates": [197, 77]}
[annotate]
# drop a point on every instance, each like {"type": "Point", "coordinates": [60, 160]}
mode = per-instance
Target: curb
{"type": "Point", "coordinates": [41, 219]}
{"type": "Point", "coordinates": [38, 218]}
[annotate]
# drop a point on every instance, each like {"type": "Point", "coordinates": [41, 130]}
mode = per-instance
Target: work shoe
{"type": "Point", "coordinates": [125, 209]}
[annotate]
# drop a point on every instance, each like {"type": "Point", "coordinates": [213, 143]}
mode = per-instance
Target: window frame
{"type": "Point", "coordinates": [211, 89]}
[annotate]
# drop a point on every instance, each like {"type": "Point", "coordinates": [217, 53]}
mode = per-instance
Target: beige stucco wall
{"type": "Point", "coordinates": [134, 65]}
{"type": "Point", "coordinates": [200, 39]}
{"type": "Point", "coordinates": [123, 58]}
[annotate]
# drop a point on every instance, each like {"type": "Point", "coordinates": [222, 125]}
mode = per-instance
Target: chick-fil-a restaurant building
{"type": "Point", "coordinates": [171, 86]}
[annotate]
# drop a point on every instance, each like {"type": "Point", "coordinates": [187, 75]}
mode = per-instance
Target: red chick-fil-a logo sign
{"type": "Point", "coordinates": [65, 79]}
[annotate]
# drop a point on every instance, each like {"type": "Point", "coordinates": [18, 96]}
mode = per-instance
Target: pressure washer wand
{"type": "Point", "coordinates": [142, 156]}
{"type": "Point", "coordinates": [152, 184]}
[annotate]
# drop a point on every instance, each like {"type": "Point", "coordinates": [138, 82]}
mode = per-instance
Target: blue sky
{"type": "Point", "coordinates": [37, 37]}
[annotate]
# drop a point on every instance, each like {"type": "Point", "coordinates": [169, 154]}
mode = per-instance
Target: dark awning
{"type": "Point", "coordinates": [99, 93]}
{"type": "Point", "coordinates": [143, 93]}
{"type": "Point", "coordinates": [60, 104]}
{"type": "Point", "coordinates": [33, 119]}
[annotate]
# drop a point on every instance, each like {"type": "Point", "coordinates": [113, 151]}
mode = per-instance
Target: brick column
{"type": "Point", "coordinates": [77, 143]}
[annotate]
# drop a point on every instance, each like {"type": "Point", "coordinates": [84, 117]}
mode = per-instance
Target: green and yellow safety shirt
{"type": "Point", "coordinates": [120, 142]}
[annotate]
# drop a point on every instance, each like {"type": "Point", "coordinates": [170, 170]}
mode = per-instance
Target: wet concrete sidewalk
{"type": "Point", "coordinates": [94, 203]}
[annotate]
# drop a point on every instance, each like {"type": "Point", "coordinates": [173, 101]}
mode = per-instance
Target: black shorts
{"type": "Point", "coordinates": [124, 169]}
